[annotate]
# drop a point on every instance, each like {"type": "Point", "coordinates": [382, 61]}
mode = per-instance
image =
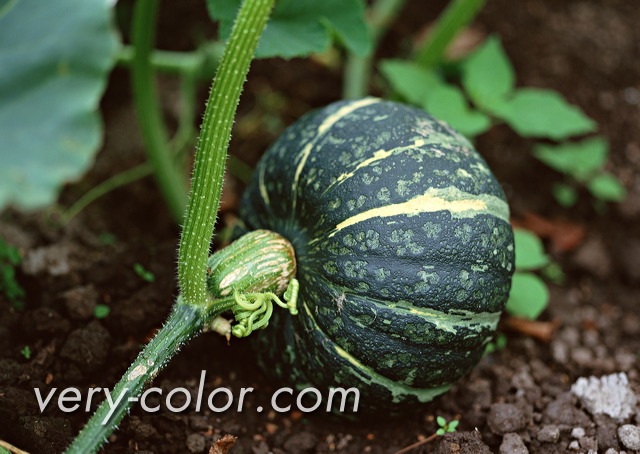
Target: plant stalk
{"type": "Point", "coordinates": [211, 153]}
{"type": "Point", "coordinates": [457, 15]}
{"type": "Point", "coordinates": [169, 177]}
{"type": "Point", "coordinates": [260, 261]}
{"type": "Point", "coordinates": [182, 324]}
{"type": "Point", "coordinates": [357, 68]}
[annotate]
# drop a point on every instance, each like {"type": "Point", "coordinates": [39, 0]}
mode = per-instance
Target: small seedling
{"type": "Point", "coordinates": [101, 311]}
{"type": "Point", "coordinates": [9, 260]}
{"type": "Point", "coordinates": [482, 92]}
{"type": "Point", "coordinates": [26, 352]}
{"type": "Point", "coordinates": [445, 426]}
{"type": "Point", "coordinates": [144, 273]}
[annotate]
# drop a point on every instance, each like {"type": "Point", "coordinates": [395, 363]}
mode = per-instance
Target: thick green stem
{"type": "Point", "coordinates": [169, 177]}
{"type": "Point", "coordinates": [358, 69]}
{"type": "Point", "coordinates": [232, 274]}
{"type": "Point", "coordinates": [458, 14]}
{"type": "Point", "coordinates": [211, 154]}
{"type": "Point", "coordinates": [182, 324]}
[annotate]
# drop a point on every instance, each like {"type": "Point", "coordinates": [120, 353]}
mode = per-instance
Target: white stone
{"type": "Point", "coordinates": [629, 436]}
{"type": "Point", "coordinates": [609, 394]}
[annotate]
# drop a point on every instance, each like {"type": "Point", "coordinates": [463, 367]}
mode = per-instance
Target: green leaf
{"type": "Point", "coordinates": [578, 159]}
{"type": "Point", "coordinates": [607, 187]}
{"type": "Point", "coordinates": [529, 250]}
{"type": "Point", "coordinates": [101, 311]}
{"type": "Point", "coordinates": [144, 273]}
{"type": "Point", "coordinates": [447, 103]}
{"type": "Point", "coordinates": [302, 27]}
{"type": "Point", "coordinates": [453, 425]}
{"type": "Point", "coordinates": [488, 74]}
{"type": "Point", "coordinates": [529, 296]}
{"type": "Point", "coordinates": [441, 421]}
{"type": "Point", "coordinates": [54, 61]}
{"type": "Point", "coordinates": [565, 195]}
{"type": "Point", "coordinates": [534, 112]}
{"type": "Point", "coordinates": [410, 80]}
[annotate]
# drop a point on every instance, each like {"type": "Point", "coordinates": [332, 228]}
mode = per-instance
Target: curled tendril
{"type": "Point", "coordinates": [253, 310]}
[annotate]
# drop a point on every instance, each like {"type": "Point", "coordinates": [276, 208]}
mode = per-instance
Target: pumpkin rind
{"type": "Point", "coordinates": [403, 246]}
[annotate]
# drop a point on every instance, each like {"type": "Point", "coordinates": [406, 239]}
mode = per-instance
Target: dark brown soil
{"type": "Point", "coordinates": [517, 400]}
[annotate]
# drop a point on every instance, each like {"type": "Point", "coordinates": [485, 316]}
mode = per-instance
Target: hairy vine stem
{"type": "Point", "coordinates": [209, 165]}
{"type": "Point", "coordinates": [249, 291]}
{"type": "Point", "coordinates": [195, 306]}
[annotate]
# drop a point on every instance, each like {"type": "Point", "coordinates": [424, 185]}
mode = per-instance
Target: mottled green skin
{"type": "Point", "coordinates": [400, 300]}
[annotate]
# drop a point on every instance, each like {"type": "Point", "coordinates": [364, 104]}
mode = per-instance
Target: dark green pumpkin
{"type": "Point", "coordinates": [404, 251]}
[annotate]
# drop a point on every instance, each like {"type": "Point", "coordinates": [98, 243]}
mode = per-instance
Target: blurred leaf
{"type": "Point", "coordinates": [410, 80]}
{"type": "Point", "coordinates": [302, 27]}
{"type": "Point", "coordinates": [534, 112]}
{"type": "Point", "coordinates": [578, 159]}
{"type": "Point", "coordinates": [529, 250]}
{"type": "Point", "coordinates": [447, 103]}
{"type": "Point", "coordinates": [487, 74]}
{"type": "Point", "coordinates": [565, 195]}
{"type": "Point", "coordinates": [54, 61]}
{"type": "Point", "coordinates": [607, 187]}
{"type": "Point", "coordinates": [529, 296]}
{"type": "Point", "coordinates": [101, 311]}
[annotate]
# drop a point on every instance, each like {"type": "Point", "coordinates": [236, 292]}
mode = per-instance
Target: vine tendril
{"type": "Point", "coordinates": [253, 310]}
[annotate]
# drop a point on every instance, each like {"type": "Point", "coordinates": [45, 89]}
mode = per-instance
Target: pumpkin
{"type": "Point", "coordinates": [403, 246]}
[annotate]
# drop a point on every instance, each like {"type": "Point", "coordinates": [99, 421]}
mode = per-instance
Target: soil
{"type": "Point", "coordinates": [519, 399]}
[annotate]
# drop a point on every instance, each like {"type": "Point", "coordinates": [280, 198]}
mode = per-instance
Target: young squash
{"type": "Point", "coordinates": [403, 246]}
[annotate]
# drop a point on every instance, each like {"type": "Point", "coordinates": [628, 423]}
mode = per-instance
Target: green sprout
{"type": "Point", "coordinates": [144, 273]}
{"type": "Point", "coordinates": [9, 260]}
{"type": "Point", "coordinates": [445, 426]}
{"type": "Point", "coordinates": [26, 352]}
{"type": "Point", "coordinates": [101, 311]}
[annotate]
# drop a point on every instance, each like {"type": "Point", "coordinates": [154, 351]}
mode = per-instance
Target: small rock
{"type": "Point", "coordinates": [300, 442]}
{"type": "Point", "coordinates": [588, 444]}
{"type": "Point", "coordinates": [609, 394]}
{"type": "Point", "coordinates": [81, 302]}
{"type": "Point", "coordinates": [577, 432]}
{"type": "Point", "coordinates": [53, 259]}
{"type": "Point", "coordinates": [611, 451]}
{"type": "Point", "coordinates": [629, 436]}
{"type": "Point", "coordinates": [593, 257]}
{"type": "Point", "coordinates": [549, 434]}
{"type": "Point", "coordinates": [505, 418]}
{"type": "Point", "coordinates": [563, 411]}
{"type": "Point", "coordinates": [607, 432]}
{"type": "Point", "coordinates": [574, 446]}
{"type": "Point", "coordinates": [88, 347]}
{"type": "Point", "coordinates": [513, 444]}
{"type": "Point", "coordinates": [461, 443]}
{"type": "Point", "coordinates": [196, 443]}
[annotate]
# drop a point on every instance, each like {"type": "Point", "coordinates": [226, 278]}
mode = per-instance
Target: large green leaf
{"type": "Point", "coordinates": [302, 27]}
{"type": "Point", "coordinates": [54, 60]}
{"type": "Point", "coordinates": [447, 103]}
{"type": "Point", "coordinates": [410, 80]}
{"type": "Point", "coordinates": [534, 112]}
{"type": "Point", "coordinates": [488, 76]}
{"type": "Point", "coordinates": [578, 159]}
{"type": "Point", "coordinates": [605, 186]}
{"type": "Point", "coordinates": [529, 250]}
{"type": "Point", "coordinates": [529, 296]}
